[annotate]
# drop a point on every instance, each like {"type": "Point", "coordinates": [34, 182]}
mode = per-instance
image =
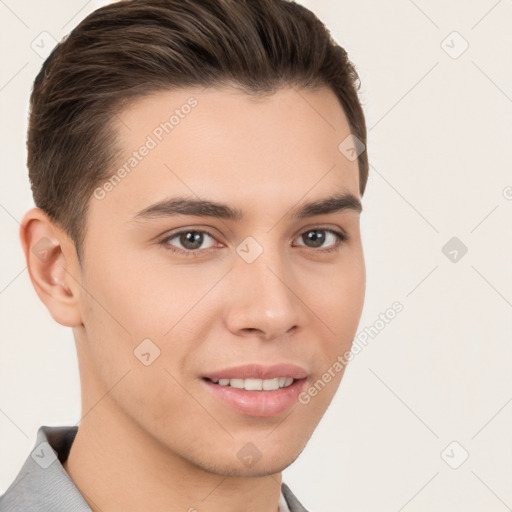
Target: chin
{"type": "Point", "coordinates": [260, 469]}
{"type": "Point", "coordinates": [234, 465]}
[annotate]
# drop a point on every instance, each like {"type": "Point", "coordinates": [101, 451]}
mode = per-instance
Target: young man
{"type": "Point", "coordinates": [197, 167]}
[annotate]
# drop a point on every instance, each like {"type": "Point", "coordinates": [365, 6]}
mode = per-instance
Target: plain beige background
{"type": "Point", "coordinates": [433, 386]}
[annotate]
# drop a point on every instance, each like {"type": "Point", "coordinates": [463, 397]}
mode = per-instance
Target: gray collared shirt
{"type": "Point", "coordinates": [43, 485]}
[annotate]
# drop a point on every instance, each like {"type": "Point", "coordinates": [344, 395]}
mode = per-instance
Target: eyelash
{"type": "Point", "coordinates": [341, 238]}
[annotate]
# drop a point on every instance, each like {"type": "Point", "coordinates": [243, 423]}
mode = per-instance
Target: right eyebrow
{"type": "Point", "coordinates": [186, 206]}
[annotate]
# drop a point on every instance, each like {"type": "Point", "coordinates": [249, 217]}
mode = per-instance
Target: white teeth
{"type": "Point", "coordinates": [236, 383]}
{"type": "Point", "coordinates": [270, 384]}
{"type": "Point", "coordinates": [253, 384]}
{"type": "Point", "coordinates": [256, 384]}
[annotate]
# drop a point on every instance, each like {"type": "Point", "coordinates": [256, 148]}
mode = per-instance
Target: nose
{"type": "Point", "coordinates": [263, 301]}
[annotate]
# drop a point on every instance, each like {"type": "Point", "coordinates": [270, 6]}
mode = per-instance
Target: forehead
{"type": "Point", "coordinates": [208, 143]}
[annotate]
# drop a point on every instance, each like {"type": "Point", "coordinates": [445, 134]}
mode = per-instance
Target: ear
{"type": "Point", "coordinates": [53, 266]}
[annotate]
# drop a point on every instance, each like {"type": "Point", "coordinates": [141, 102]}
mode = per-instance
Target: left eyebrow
{"type": "Point", "coordinates": [204, 208]}
{"type": "Point", "coordinates": [333, 204]}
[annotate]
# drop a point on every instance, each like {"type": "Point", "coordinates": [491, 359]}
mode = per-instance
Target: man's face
{"type": "Point", "coordinates": [210, 293]}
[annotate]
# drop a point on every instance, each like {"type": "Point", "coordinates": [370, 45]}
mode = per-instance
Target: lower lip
{"type": "Point", "coordinates": [258, 403]}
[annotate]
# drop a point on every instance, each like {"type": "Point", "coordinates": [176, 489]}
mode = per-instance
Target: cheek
{"type": "Point", "coordinates": [134, 300]}
{"type": "Point", "coordinates": [337, 298]}
{"type": "Point", "coordinates": [128, 304]}
{"type": "Point", "coordinates": [118, 314]}
{"type": "Point", "coordinates": [157, 293]}
{"type": "Point", "coordinates": [144, 386]}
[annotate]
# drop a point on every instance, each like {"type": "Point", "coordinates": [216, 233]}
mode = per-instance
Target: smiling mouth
{"type": "Point", "coordinates": [255, 384]}
{"type": "Point", "coordinates": [252, 396]}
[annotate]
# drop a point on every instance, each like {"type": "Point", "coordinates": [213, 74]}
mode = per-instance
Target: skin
{"type": "Point", "coordinates": [153, 437]}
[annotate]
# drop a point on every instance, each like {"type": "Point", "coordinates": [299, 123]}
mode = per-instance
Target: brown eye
{"type": "Point", "coordinates": [317, 238]}
{"type": "Point", "coordinates": [189, 240]}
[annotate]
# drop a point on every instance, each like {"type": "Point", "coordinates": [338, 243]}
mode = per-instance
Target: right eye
{"type": "Point", "coordinates": [190, 240]}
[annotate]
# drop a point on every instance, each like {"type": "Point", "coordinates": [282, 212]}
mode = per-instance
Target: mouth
{"type": "Point", "coordinates": [256, 390]}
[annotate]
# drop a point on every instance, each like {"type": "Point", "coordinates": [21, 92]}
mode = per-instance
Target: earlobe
{"type": "Point", "coordinates": [49, 262]}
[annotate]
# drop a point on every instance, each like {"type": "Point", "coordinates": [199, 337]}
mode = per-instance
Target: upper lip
{"type": "Point", "coordinates": [259, 371]}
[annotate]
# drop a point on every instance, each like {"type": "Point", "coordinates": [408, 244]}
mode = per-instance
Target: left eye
{"type": "Point", "coordinates": [317, 237]}
{"type": "Point", "coordinates": [191, 240]}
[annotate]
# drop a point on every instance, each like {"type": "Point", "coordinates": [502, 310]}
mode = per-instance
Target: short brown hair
{"type": "Point", "coordinates": [132, 48]}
